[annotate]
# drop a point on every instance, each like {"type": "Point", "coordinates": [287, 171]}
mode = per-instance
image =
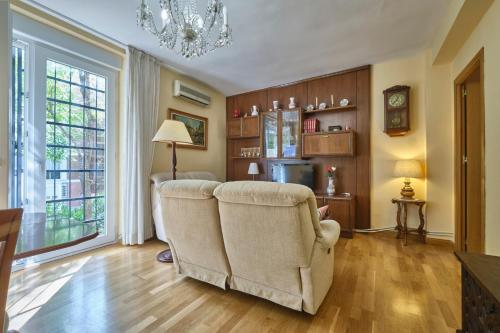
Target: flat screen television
{"type": "Point", "coordinates": [297, 173]}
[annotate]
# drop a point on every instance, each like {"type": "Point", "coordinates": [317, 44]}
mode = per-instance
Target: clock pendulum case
{"type": "Point", "coordinates": [397, 110]}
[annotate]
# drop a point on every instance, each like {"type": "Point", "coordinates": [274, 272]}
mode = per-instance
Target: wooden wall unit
{"type": "Point", "coordinates": [353, 167]}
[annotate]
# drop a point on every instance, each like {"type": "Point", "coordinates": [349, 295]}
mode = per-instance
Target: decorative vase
{"type": "Point", "coordinates": [330, 190]}
{"type": "Point", "coordinates": [292, 103]}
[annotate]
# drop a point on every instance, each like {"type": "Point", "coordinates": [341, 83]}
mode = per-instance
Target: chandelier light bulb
{"type": "Point", "coordinates": [164, 15]}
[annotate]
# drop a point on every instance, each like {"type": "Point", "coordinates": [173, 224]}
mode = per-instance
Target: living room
{"type": "Point", "coordinates": [184, 165]}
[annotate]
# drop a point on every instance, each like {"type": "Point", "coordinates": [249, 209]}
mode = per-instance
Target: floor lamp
{"type": "Point", "coordinates": [171, 131]}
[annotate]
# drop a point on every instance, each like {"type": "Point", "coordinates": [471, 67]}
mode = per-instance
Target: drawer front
{"type": "Point", "coordinates": [234, 128]}
{"type": "Point", "coordinates": [250, 127]}
{"type": "Point", "coordinates": [331, 144]}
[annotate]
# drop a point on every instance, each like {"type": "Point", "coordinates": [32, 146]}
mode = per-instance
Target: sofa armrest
{"type": "Point", "coordinates": [330, 232]}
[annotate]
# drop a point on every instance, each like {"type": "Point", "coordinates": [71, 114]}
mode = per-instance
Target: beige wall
{"type": "Point", "coordinates": [430, 141]}
{"type": "Point", "coordinates": [213, 159]}
{"type": "Point", "coordinates": [386, 150]}
{"type": "Point", "coordinates": [440, 148]}
{"type": "Point", "coordinates": [5, 47]}
{"type": "Point", "coordinates": [487, 35]}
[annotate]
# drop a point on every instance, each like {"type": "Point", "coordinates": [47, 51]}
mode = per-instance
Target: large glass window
{"type": "Point", "coordinates": [75, 146]}
{"type": "Point", "coordinates": [61, 172]}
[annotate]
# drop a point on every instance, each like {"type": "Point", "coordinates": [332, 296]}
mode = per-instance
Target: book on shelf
{"type": "Point", "coordinates": [311, 125]}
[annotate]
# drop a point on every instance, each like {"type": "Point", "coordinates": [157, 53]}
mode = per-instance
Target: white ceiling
{"type": "Point", "coordinates": [278, 41]}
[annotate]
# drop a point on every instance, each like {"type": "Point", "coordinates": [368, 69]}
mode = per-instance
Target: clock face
{"type": "Point", "coordinates": [397, 100]}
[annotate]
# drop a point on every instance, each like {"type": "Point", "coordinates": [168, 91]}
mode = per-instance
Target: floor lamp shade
{"type": "Point", "coordinates": [172, 131]}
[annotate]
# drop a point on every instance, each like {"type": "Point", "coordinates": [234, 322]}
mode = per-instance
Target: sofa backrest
{"type": "Point", "coordinates": [191, 218]}
{"type": "Point", "coordinates": [160, 177]}
{"type": "Point", "coordinates": [269, 230]}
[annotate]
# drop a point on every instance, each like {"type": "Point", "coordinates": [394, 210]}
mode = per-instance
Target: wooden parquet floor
{"type": "Point", "coordinates": [379, 286]}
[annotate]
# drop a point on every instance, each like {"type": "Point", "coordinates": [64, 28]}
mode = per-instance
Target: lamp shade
{"type": "Point", "coordinates": [408, 169]}
{"type": "Point", "coordinates": [253, 169]}
{"type": "Point", "coordinates": [172, 131]}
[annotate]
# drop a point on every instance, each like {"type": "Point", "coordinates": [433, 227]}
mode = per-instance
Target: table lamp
{"type": "Point", "coordinates": [253, 169]}
{"type": "Point", "coordinates": [173, 131]}
{"type": "Point", "coordinates": [408, 169]}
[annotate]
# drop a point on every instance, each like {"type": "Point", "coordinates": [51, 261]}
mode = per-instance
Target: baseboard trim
{"type": "Point", "coordinates": [442, 235]}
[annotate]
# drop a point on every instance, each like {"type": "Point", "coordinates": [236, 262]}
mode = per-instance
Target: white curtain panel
{"type": "Point", "coordinates": [141, 123]}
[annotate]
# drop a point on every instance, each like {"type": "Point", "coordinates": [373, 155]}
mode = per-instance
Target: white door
{"type": "Point", "coordinates": [69, 150]}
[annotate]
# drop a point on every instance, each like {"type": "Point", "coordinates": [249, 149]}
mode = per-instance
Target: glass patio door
{"type": "Point", "coordinates": [68, 144]}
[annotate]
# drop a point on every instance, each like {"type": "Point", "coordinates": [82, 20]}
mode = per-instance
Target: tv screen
{"type": "Point", "coordinates": [297, 173]}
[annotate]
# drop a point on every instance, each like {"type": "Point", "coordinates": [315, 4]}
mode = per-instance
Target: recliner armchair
{"type": "Point", "coordinates": [194, 234]}
{"type": "Point", "coordinates": [276, 246]}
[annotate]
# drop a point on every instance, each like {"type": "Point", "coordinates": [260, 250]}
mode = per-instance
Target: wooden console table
{"type": "Point", "coordinates": [341, 208]}
{"type": "Point", "coordinates": [402, 228]}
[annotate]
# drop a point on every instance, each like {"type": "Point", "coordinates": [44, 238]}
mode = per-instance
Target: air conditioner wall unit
{"type": "Point", "coordinates": [190, 93]}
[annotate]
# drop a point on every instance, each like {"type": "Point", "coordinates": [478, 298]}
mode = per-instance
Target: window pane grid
{"type": "Point", "coordinates": [74, 83]}
{"type": "Point", "coordinates": [78, 100]}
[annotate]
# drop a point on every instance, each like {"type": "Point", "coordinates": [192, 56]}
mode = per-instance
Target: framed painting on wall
{"type": "Point", "coordinates": [197, 127]}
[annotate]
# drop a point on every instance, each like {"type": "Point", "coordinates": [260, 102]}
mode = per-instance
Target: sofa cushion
{"type": "Point", "coordinates": [268, 193]}
{"type": "Point", "coordinates": [188, 189]}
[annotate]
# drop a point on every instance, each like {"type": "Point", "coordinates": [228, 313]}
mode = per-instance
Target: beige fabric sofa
{"type": "Point", "coordinates": [194, 233]}
{"type": "Point", "coordinates": [276, 245]}
{"type": "Point", "coordinates": [261, 238]}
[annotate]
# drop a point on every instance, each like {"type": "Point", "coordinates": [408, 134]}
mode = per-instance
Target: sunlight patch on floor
{"type": "Point", "coordinates": [27, 306]}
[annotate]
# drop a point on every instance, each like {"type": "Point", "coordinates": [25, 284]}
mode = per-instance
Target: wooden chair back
{"type": "Point", "coordinates": [10, 221]}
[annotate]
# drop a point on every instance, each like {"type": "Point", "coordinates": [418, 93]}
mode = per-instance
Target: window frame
{"type": "Point", "coordinates": [35, 118]}
{"type": "Point", "coordinates": [13, 201]}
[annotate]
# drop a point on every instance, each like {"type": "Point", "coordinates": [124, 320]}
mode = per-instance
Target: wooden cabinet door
{"type": "Point", "coordinates": [234, 128]}
{"type": "Point", "coordinates": [342, 212]}
{"type": "Point", "coordinates": [250, 127]}
{"type": "Point", "coordinates": [320, 202]}
{"type": "Point", "coordinates": [329, 144]}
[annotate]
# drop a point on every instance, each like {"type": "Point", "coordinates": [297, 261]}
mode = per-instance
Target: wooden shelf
{"type": "Point", "coordinates": [245, 158]}
{"type": "Point", "coordinates": [242, 137]}
{"type": "Point", "coordinates": [326, 133]}
{"type": "Point", "coordinates": [334, 109]}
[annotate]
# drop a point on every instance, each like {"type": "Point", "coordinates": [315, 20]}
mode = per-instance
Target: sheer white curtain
{"type": "Point", "coordinates": [141, 116]}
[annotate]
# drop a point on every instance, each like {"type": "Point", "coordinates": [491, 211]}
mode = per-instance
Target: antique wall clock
{"type": "Point", "coordinates": [397, 110]}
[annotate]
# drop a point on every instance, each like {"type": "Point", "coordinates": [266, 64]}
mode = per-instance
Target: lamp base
{"type": "Point", "coordinates": [165, 256]}
{"type": "Point", "coordinates": [407, 191]}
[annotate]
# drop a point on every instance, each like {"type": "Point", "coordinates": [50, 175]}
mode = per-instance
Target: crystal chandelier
{"type": "Point", "coordinates": [183, 29]}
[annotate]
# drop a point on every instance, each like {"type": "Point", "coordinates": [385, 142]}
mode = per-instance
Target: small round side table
{"type": "Point", "coordinates": [402, 228]}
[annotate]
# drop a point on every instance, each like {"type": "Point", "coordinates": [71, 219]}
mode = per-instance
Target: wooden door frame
{"type": "Point", "coordinates": [475, 63]}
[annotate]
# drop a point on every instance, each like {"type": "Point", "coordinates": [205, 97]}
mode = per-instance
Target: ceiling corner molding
{"type": "Point", "coordinates": [461, 22]}
{"type": "Point", "coordinates": [46, 16]}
